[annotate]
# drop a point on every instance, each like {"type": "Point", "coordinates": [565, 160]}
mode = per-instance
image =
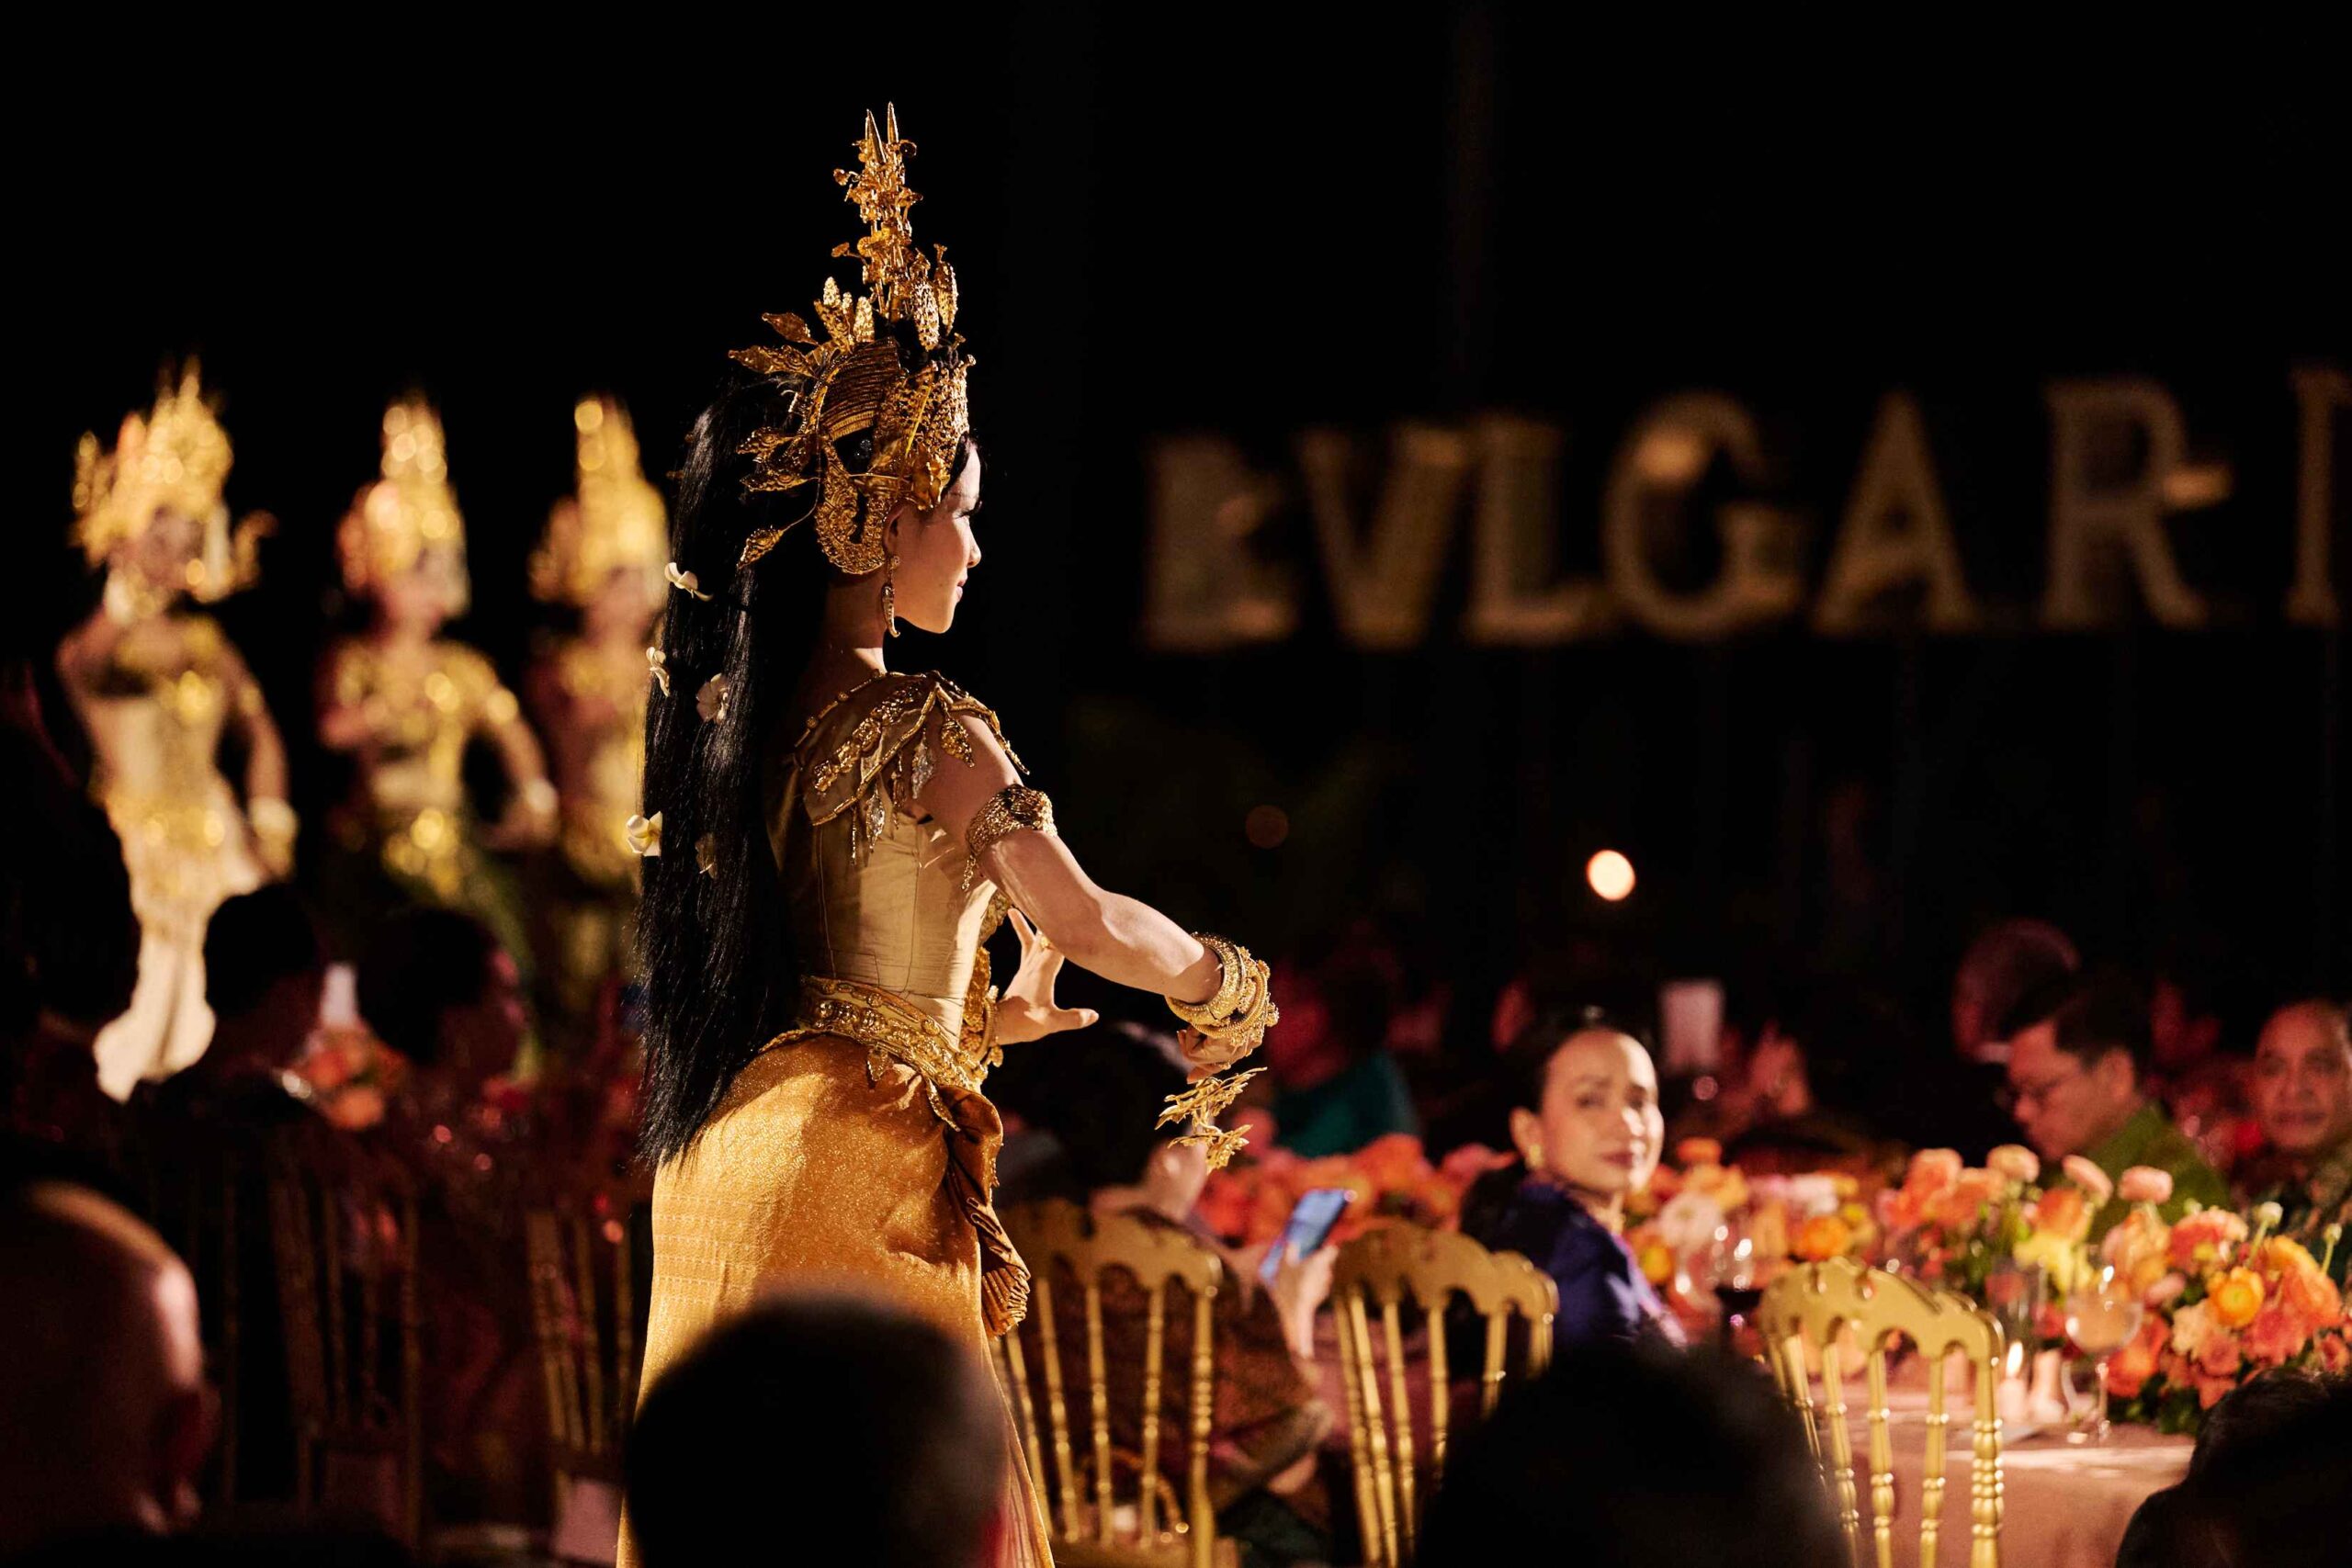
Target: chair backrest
{"type": "Point", "coordinates": [346, 1245]}
{"type": "Point", "coordinates": [584, 1316]}
{"type": "Point", "coordinates": [1827, 1313]}
{"type": "Point", "coordinates": [1377, 1273]}
{"type": "Point", "coordinates": [1062, 1242]}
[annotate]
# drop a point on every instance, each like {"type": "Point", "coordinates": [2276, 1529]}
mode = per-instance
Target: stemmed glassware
{"type": "Point", "coordinates": [1731, 1270]}
{"type": "Point", "coordinates": [2102, 1315]}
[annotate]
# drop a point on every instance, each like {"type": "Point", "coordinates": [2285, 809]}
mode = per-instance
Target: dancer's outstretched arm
{"type": "Point", "coordinates": [1119, 938]}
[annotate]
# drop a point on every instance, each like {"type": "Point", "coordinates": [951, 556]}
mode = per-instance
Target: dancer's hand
{"type": "Point", "coordinates": [1027, 1009]}
{"type": "Point", "coordinates": [1208, 1058]}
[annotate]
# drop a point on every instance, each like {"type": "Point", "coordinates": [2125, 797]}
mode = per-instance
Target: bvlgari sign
{"type": "Point", "coordinates": [2120, 464]}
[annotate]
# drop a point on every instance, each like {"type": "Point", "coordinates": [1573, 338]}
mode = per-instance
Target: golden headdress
{"type": "Point", "coordinates": [891, 373]}
{"type": "Point", "coordinates": [614, 519]}
{"type": "Point", "coordinates": [175, 458]}
{"type": "Point", "coordinates": [409, 510]}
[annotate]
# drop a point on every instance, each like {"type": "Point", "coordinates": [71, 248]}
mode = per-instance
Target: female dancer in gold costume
{"type": "Point", "coordinates": [405, 701]}
{"type": "Point", "coordinates": [603, 556]}
{"type": "Point", "coordinates": [156, 688]}
{"type": "Point", "coordinates": [830, 843]}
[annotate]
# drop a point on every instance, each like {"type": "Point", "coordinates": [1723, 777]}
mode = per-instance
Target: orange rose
{"type": "Point", "coordinates": [2274, 1337]}
{"type": "Point", "coordinates": [2145, 1184]}
{"type": "Point", "coordinates": [2062, 1211]}
{"type": "Point", "coordinates": [1822, 1238]}
{"type": "Point", "coordinates": [2135, 1363]}
{"type": "Point", "coordinates": [2014, 1161]}
{"type": "Point", "coordinates": [1698, 1151]}
{"type": "Point", "coordinates": [2310, 1297]}
{"type": "Point", "coordinates": [1933, 1168]}
{"type": "Point", "coordinates": [1656, 1261]}
{"type": "Point", "coordinates": [2204, 1238]}
{"type": "Point", "coordinates": [2236, 1295]}
{"type": "Point", "coordinates": [2335, 1351]}
{"type": "Point", "coordinates": [1963, 1202]}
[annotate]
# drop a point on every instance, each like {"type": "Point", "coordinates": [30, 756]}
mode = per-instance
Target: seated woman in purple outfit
{"type": "Point", "coordinates": [1585, 1117]}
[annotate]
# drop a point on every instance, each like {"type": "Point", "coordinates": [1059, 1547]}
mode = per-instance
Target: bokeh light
{"type": "Point", "coordinates": [1610, 875]}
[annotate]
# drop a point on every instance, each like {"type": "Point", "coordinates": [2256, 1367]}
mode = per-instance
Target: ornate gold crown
{"type": "Point", "coordinates": [409, 510]}
{"type": "Point", "coordinates": [614, 521]}
{"type": "Point", "coordinates": [176, 458]}
{"type": "Point", "coordinates": [859, 382]}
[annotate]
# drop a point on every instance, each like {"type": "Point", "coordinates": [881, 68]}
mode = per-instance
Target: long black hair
{"type": "Point", "coordinates": [719, 970]}
{"type": "Point", "coordinates": [721, 975]}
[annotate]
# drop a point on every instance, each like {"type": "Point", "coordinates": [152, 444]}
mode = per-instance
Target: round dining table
{"type": "Point", "coordinates": [2066, 1504]}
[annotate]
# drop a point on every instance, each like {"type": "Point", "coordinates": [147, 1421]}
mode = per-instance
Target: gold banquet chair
{"type": "Point", "coordinates": [1098, 1528]}
{"type": "Point", "coordinates": [348, 1288]}
{"type": "Point", "coordinates": [1382, 1270]}
{"type": "Point", "coordinates": [1823, 1314]}
{"type": "Point", "coordinates": [585, 1317]}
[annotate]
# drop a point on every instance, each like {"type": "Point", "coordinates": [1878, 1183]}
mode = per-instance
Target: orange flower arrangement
{"type": "Point", "coordinates": [2228, 1301]}
{"type": "Point", "coordinates": [1248, 1202]}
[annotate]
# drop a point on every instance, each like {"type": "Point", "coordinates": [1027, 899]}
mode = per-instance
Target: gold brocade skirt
{"type": "Point", "coordinates": [811, 1174]}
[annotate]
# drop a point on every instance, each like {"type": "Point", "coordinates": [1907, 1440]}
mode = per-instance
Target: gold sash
{"type": "Point", "coordinates": [894, 1030]}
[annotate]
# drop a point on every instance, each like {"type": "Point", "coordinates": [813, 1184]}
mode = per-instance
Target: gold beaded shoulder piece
{"type": "Point", "coordinates": [873, 750]}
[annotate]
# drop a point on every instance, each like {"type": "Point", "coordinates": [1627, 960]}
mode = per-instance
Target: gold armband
{"type": "Point", "coordinates": [1014, 809]}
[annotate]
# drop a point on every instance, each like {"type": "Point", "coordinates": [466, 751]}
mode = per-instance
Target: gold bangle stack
{"type": "Point", "coordinates": [1238, 1014]}
{"type": "Point", "coordinates": [1243, 1006]}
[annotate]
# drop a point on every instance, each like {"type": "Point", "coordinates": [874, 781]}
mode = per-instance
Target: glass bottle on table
{"type": "Point", "coordinates": [2102, 1315]}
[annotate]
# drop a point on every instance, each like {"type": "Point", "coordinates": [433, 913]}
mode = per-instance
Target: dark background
{"type": "Point", "coordinates": [1249, 221]}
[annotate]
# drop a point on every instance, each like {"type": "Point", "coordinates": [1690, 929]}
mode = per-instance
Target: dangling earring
{"type": "Point", "coordinates": [890, 597]}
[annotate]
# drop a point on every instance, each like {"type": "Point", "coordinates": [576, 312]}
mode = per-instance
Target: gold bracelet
{"type": "Point", "coordinates": [1013, 809]}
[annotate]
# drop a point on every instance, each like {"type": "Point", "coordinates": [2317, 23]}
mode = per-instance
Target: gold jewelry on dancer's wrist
{"type": "Point", "coordinates": [1237, 1014]}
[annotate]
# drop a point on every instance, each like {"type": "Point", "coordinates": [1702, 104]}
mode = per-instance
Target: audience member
{"type": "Point", "coordinates": [2076, 1073]}
{"type": "Point", "coordinates": [1100, 1104]}
{"type": "Point", "coordinates": [1336, 1086]}
{"type": "Point", "coordinates": [2264, 1483]}
{"type": "Point", "coordinates": [2303, 1101]}
{"type": "Point", "coordinates": [104, 1419]}
{"type": "Point", "coordinates": [69, 950]}
{"type": "Point", "coordinates": [209, 1136]}
{"type": "Point", "coordinates": [2003, 967]}
{"type": "Point", "coordinates": [264, 968]}
{"type": "Point", "coordinates": [438, 988]}
{"type": "Point", "coordinates": [1634, 1457]}
{"type": "Point", "coordinates": [819, 1429]}
{"type": "Point", "coordinates": [1586, 1126]}
{"type": "Point", "coordinates": [1954, 1101]}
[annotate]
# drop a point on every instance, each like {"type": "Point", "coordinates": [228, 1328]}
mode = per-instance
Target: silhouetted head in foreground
{"type": "Point", "coordinates": [1627, 1457]}
{"type": "Point", "coordinates": [820, 1427]}
{"type": "Point", "coordinates": [104, 1418]}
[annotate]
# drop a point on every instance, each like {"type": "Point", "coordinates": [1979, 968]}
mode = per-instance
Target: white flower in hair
{"type": "Point", "coordinates": [644, 834]}
{"type": "Point", "coordinates": [655, 662]}
{"type": "Point", "coordinates": [711, 700]}
{"type": "Point", "coordinates": [684, 581]}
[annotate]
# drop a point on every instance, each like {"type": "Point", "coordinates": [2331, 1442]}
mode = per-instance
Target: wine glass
{"type": "Point", "coordinates": [2016, 1292]}
{"type": "Point", "coordinates": [1731, 1271]}
{"type": "Point", "coordinates": [2102, 1315]}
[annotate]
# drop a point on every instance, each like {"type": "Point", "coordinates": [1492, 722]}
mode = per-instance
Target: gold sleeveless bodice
{"type": "Point", "coordinates": [887, 922]}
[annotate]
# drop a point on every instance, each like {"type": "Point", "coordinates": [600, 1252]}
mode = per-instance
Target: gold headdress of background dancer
{"type": "Point", "coordinates": [409, 510]}
{"type": "Point", "coordinates": [614, 520]}
{"type": "Point", "coordinates": [891, 369]}
{"type": "Point", "coordinates": [177, 457]}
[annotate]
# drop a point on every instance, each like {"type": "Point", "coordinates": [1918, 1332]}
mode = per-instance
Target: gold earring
{"type": "Point", "coordinates": [890, 596]}
{"type": "Point", "coordinates": [1534, 1156]}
